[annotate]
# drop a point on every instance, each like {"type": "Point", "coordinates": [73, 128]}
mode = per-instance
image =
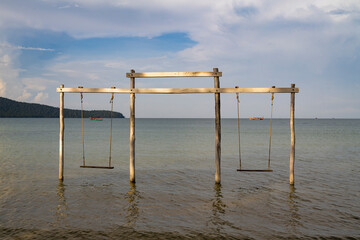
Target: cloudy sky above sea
{"type": "Point", "coordinates": [258, 43]}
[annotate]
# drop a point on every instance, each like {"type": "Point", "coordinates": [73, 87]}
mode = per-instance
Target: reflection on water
{"type": "Point", "coordinates": [218, 205]}
{"type": "Point", "coordinates": [132, 212]}
{"type": "Point", "coordinates": [218, 211]}
{"type": "Point", "coordinates": [61, 206]}
{"type": "Point", "coordinates": [294, 217]}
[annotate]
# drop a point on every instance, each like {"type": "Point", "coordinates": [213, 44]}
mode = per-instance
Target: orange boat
{"type": "Point", "coordinates": [95, 119]}
{"type": "Point", "coordinates": [257, 118]}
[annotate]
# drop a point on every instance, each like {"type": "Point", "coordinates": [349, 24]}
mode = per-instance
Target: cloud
{"type": "Point", "coordinates": [85, 72]}
{"type": "Point", "coordinates": [5, 60]}
{"type": "Point", "coordinates": [255, 43]}
{"type": "Point", "coordinates": [12, 84]}
{"type": "Point", "coordinates": [9, 73]}
{"type": "Point", "coordinates": [339, 12]}
{"type": "Point", "coordinates": [41, 97]}
{"type": "Point", "coordinates": [36, 83]}
{"type": "Point", "coordinates": [24, 96]}
{"type": "Point", "coordinates": [2, 87]}
{"type": "Point", "coordinates": [35, 49]}
{"type": "Point", "coordinates": [7, 45]}
{"type": "Point", "coordinates": [152, 18]}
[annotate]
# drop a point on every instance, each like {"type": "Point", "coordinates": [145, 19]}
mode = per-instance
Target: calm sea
{"type": "Point", "coordinates": [175, 195]}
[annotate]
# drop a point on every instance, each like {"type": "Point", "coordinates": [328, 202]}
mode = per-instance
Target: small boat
{"type": "Point", "coordinates": [95, 119]}
{"type": "Point", "coordinates": [257, 118]}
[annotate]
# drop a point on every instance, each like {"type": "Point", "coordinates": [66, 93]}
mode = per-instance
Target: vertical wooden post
{"type": "Point", "coordinates": [218, 131]}
{"type": "Point", "coordinates": [132, 129]}
{"type": "Point", "coordinates": [61, 136]}
{"type": "Point", "coordinates": [292, 129]}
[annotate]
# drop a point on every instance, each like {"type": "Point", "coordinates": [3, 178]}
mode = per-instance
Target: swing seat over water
{"type": "Point", "coordinates": [104, 167]}
{"type": "Point", "coordinates": [254, 170]}
{"type": "Point", "coordinates": [82, 128]}
{"type": "Point", "coordinates": [238, 118]}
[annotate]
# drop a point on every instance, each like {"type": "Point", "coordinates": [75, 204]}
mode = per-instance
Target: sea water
{"type": "Point", "coordinates": [175, 195]}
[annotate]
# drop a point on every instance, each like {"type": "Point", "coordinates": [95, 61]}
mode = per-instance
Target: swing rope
{"type": "Point", "coordinates": [112, 107]}
{"type": "Point", "coordinates": [82, 127]}
{"type": "Point", "coordinates": [272, 106]}
{"type": "Point", "coordinates": [238, 120]}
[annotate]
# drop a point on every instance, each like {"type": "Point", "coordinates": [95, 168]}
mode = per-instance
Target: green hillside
{"type": "Point", "coordinates": [13, 109]}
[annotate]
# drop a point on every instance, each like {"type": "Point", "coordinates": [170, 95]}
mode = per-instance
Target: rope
{"type": "Point", "coordinates": [272, 106]}
{"type": "Point", "coordinates": [238, 120]}
{"type": "Point", "coordinates": [82, 128]}
{"type": "Point", "coordinates": [112, 106]}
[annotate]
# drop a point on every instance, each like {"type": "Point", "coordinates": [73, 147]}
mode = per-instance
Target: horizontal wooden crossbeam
{"type": "Point", "coordinates": [178, 90]}
{"type": "Point", "coordinates": [173, 74]}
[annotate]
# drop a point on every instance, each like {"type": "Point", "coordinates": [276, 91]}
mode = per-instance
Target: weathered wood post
{"type": "Point", "coordinates": [292, 129]}
{"type": "Point", "coordinates": [61, 136]}
{"type": "Point", "coordinates": [132, 129]}
{"type": "Point", "coordinates": [218, 131]}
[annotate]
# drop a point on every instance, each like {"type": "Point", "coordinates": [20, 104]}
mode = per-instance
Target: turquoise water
{"type": "Point", "coordinates": [175, 195]}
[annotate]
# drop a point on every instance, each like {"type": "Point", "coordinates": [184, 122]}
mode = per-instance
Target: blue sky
{"type": "Point", "coordinates": [93, 43]}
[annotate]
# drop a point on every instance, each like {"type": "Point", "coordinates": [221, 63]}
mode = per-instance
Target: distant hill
{"type": "Point", "coordinates": [13, 109]}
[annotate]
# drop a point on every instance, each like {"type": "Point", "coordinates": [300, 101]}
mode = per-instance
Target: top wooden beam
{"type": "Point", "coordinates": [173, 74]}
{"type": "Point", "coordinates": [178, 90]}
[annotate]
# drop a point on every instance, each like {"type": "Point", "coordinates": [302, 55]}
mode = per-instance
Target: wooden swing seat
{"type": "Point", "coordinates": [254, 170]}
{"type": "Point", "coordinates": [104, 167]}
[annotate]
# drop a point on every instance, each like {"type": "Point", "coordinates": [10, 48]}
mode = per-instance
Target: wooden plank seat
{"type": "Point", "coordinates": [255, 170]}
{"type": "Point", "coordinates": [104, 167]}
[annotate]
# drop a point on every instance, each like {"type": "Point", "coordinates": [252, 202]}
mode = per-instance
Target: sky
{"type": "Point", "coordinates": [258, 43]}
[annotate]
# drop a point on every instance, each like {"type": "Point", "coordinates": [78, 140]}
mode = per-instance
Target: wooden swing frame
{"type": "Point", "coordinates": [216, 90]}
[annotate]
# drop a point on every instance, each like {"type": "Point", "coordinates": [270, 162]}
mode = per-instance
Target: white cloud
{"type": "Point", "coordinates": [24, 96]}
{"type": "Point", "coordinates": [12, 85]}
{"type": "Point", "coordinates": [87, 72]}
{"type": "Point", "coordinates": [9, 73]}
{"type": "Point", "coordinates": [41, 97]}
{"type": "Point", "coordinates": [7, 45]}
{"type": "Point", "coordinates": [36, 83]}
{"type": "Point", "coordinates": [255, 43]}
{"type": "Point", "coordinates": [2, 87]}
{"type": "Point", "coordinates": [5, 60]}
{"type": "Point", "coordinates": [35, 49]}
